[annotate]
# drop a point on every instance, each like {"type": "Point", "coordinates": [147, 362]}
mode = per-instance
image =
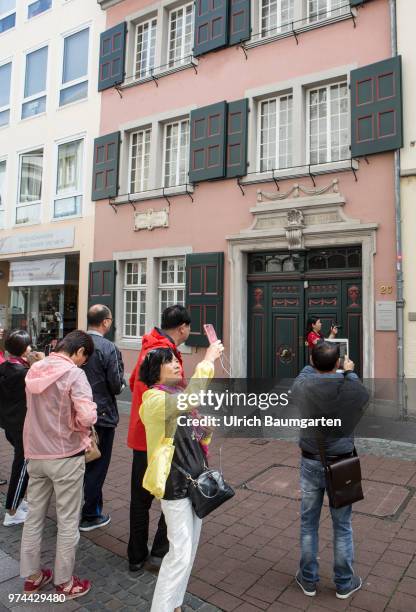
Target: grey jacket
{"type": "Point", "coordinates": [105, 373]}
{"type": "Point", "coordinates": [331, 396]}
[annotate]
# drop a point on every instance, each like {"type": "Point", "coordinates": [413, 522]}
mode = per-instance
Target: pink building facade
{"type": "Point", "coordinates": [246, 169]}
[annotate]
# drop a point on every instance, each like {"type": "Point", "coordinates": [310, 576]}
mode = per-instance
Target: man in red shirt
{"type": "Point", "coordinates": [174, 331]}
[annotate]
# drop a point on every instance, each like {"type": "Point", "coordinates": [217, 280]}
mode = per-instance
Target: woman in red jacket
{"type": "Point", "coordinates": [313, 332]}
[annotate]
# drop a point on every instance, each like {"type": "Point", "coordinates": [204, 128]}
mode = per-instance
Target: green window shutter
{"type": "Point", "coordinates": [210, 26]}
{"type": "Point", "coordinates": [237, 122]}
{"type": "Point", "coordinates": [105, 166]}
{"type": "Point", "coordinates": [240, 15]}
{"type": "Point", "coordinates": [376, 108]}
{"type": "Point", "coordinates": [102, 287]}
{"type": "Point", "coordinates": [112, 56]}
{"type": "Point", "coordinates": [204, 294]}
{"type": "Point", "coordinates": [207, 149]}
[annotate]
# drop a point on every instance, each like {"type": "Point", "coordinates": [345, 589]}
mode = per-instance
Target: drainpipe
{"type": "Point", "coordinates": [399, 264]}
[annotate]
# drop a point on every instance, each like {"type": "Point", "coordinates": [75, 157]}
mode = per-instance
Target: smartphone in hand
{"type": "Point", "coordinates": [210, 333]}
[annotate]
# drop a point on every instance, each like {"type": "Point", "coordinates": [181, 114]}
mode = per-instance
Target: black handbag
{"type": "Point", "coordinates": [343, 479]}
{"type": "Point", "coordinates": [208, 491]}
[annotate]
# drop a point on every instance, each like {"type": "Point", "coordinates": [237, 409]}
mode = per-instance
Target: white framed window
{"type": "Point", "coordinates": [7, 15]}
{"type": "Point", "coordinates": [318, 10]}
{"type": "Point", "coordinates": [3, 169]}
{"type": "Point", "coordinates": [30, 187]}
{"type": "Point", "coordinates": [171, 282]}
{"type": "Point", "coordinates": [140, 142]}
{"type": "Point", "coordinates": [176, 153]}
{"type": "Point", "coordinates": [328, 123]}
{"type": "Point", "coordinates": [276, 16]}
{"type": "Point", "coordinates": [145, 48]}
{"type": "Point", "coordinates": [74, 85]}
{"type": "Point", "coordinates": [68, 192]}
{"type": "Point", "coordinates": [181, 35]}
{"type": "Point", "coordinates": [35, 83]}
{"type": "Point", "coordinates": [134, 299]}
{"type": "Point", "coordinates": [37, 7]}
{"type": "Point", "coordinates": [275, 133]}
{"type": "Point", "coordinates": [5, 80]}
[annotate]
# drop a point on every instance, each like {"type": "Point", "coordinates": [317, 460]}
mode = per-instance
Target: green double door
{"type": "Point", "coordinates": [277, 314]}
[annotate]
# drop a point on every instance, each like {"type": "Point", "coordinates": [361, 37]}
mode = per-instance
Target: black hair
{"type": "Point", "coordinates": [173, 316]}
{"type": "Point", "coordinates": [311, 321]}
{"type": "Point", "coordinates": [17, 342]}
{"type": "Point", "coordinates": [97, 314]}
{"type": "Point", "coordinates": [74, 341]}
{"type": "Point", "coordinates": [325, 355]}
{"type": "Point", "coordinates": [152, 363]}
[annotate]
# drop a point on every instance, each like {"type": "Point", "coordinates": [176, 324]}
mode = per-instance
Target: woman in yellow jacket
{"type": "Point", "coordinates": [182, 444]}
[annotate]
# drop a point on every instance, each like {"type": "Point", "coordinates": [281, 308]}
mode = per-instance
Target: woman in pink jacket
{"type": "Point", "coordinates": [60, 412]}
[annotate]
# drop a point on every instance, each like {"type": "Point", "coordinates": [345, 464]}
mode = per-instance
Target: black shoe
{"type": "Point", "coordinates": [136, 567]}
{"type": "Point", "coordinates": [356, 584]}
{"type": "Point", "coordinates": [309, 588]}
{"type": "Point", "coordinates": [154, 561]}
{"type": "Point", "coordinates": [100, 521]}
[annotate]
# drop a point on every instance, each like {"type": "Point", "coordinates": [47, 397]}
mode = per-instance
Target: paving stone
{"type": "Point", "coordinates": [9, 568]}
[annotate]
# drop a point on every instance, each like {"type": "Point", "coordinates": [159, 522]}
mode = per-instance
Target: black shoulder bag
{"type": "Point", "coordinates": [343, 479]}
{"type": "Point", "coordinates": [208, 491]}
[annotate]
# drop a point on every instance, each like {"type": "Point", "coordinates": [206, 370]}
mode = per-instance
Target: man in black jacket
{"type": "Point", "coordinates": [323, 391]}
{"type": "Point", "coordinates": [105, 373]}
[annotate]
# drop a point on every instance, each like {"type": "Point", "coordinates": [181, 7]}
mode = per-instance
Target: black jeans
{"type": "Point", "coordinates": [95, 474]}
{"type": "Point", "coordinates": [140, 503]}
{"type": "Point", "coordinates": [18, 477]}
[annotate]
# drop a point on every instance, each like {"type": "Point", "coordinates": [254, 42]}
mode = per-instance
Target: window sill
{"type": "Point", "coordinates": [300, 171]}
{"type": "Point", "coordinates": [70, 104]}
{"type": "Point", "coordinates": [307, 27]}
{"type": "Point", "coordinates": [68, 217]}
{"type": "Point", "coordinates": [32, 117]}
{"type": "Point", "coordinates": [159, 73]}
{"type": "Point", "coordinates": [153, 194]}
{"type": "Point", "coordinates": [135, 344]}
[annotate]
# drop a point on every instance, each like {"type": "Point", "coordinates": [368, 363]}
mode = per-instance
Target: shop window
{"type": "Point", "coordinates": [68, 198]}
{"type": "Point", "coordinates": [134, 299]}
{"type": "Point", "coordinates": [5, 78]}
{"type": "Point", "coordinates": [30, 187]}
{"type": "Point", "coordinates": [176, 157]}
{"type": "Point", "coordinates": [38, 7]}
{"type": "Point", "coordinates": [181, 35]}
{"type": "Point", "coordinates": [35, 83]}
{"type": "Point", "coordinates": [171, 283]}
{"type": "Point", "coordinates": [75, 68]}
{"type": "Point", "coordinates": [275, 142]}
{"type": "Point", "coordinates": [7, 15]}
{"type": "Point", "coordinates": [318, 10]}
{"type": "Point", "coordinates": [145, 48]}
{"type": "Point", "coordinates": [328, 124]}
{"type": "Point", "coordinates": [276, 16]}
{"type": "Point", "coordinates": [140, 142]}
{"type": "Point", "coordinates": [3, 168]}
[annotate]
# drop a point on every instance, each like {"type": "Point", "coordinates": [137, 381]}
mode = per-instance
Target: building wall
{"type": "Point", "coordinates": [219, 209]}
{"type": "Point", "coordinates": [406, 10]}
{"type": "Point", "coordinates": [78, 119]}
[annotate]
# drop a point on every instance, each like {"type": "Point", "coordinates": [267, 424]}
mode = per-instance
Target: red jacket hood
{"type": "Point", "coordinates": [156, 340]}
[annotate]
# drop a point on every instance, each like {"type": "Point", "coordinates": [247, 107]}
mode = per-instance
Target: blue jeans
{"type": "Point", "coordinates": [313, 485]}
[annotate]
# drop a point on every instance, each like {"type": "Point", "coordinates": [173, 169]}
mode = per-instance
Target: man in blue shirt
{"type": "Point", "coordinates": [322, 391]}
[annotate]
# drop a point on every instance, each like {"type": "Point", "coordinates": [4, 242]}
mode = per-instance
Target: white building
{"type": "Point", "coordinates": [49, 117]}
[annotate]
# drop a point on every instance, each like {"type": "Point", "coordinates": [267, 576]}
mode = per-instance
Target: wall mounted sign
{"type": "Point", "coordinates": [151, 219]}
{"type": "Point", "coordinates": [59, 238]}
{"type": "Point", "coordinates": [37, 272]}
{"type": "Point", "coordinates": [386, 318]}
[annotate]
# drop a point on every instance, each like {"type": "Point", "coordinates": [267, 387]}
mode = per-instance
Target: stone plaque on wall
{"type": "Point", "coordinates": [386, 319]}
{"type": "Point", "coordinates": [151, 219]}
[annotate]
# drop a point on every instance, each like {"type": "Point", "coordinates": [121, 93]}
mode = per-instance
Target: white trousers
{"type": "Point", "coordinates": [184, 529]}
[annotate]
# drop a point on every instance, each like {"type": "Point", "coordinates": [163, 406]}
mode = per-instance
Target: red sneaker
{"type": "Point", "coordinates": [74, 588]}
{"type": "Point", "coordinates": [32, 586]}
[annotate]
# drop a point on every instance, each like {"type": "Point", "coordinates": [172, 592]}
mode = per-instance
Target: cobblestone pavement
{"type": "Point", "coordinates": [249, 549]}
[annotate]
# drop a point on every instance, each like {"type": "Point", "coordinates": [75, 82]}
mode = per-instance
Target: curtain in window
{"type": "Point", "coordinates": [69, 167]}
{"type": "Point", "coordinates": [31, 177]}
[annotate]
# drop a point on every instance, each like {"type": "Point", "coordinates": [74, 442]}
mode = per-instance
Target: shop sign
{"type": "Point", "coordinates": [38, 241]}
{"type": "Point", "coordinates": [37, 272]}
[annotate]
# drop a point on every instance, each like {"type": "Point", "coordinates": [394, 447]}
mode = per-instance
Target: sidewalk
{"type": "Point", "coordinates": [249, 549]}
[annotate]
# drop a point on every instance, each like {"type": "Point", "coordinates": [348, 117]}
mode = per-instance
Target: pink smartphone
{"type": "Point", "coordinates": [210, 333]}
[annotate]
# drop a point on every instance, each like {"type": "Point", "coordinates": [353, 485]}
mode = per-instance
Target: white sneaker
{"type": "Point", "coordinates": [24, 506]}
{"type": "Point", "coordinates": [16, 519]}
